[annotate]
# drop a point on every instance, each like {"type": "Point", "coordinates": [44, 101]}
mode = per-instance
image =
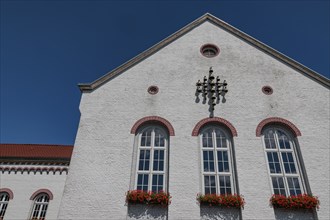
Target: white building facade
{"type": "Point", "coordinates": [149, 125]}
{"type": "Point", "coordinates": [272, 129]}
{"type": "Point", "coordinates": [32, 179]}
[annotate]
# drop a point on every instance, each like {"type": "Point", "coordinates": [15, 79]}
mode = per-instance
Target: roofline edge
{"type": "Point", "coordinates": [89, 87]}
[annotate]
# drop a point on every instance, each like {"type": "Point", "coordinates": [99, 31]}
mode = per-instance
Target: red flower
{"type": "Point", "coordinates": [149, 198]}
{"type": "Point", "coordinates": [227, 200]}
{"type": "Point", "coordinates": [302, 201]}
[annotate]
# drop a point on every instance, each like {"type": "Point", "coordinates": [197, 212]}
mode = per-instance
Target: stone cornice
{"type": "Point", "coordinates": [34, 170]}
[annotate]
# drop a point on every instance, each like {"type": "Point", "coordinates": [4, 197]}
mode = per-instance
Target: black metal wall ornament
{"type": "Point", "coordinates": [212, 89]}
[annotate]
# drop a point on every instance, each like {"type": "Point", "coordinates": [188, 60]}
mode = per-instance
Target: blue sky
{"type": "Point", "coordinates": [48, 47]}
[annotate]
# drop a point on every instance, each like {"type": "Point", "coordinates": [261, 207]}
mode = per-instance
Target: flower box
{"type": "Point", "coordinates": [227, 200]}
{"type": "Point", "coordinates": [149, 198]}
{"type": "Point", "coordinates": [302, 201]}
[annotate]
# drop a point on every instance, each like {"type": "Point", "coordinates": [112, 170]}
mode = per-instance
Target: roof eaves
{"type": "Point", "coordinates": [271, 51]}
{"type": "Point", "coordinates": [35, 159]}
{"type": "Point", "coordinates": [89, 87]}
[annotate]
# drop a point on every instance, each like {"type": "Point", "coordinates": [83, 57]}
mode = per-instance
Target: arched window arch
{"type": "Point", "coordinates": [284, 163]}
{"type": "Point", "coordinates": [152, 158]}
{"type": "Point", "coordinates": [40, 204]}
{"type": "Point", "coordinates": [217, 158]}
{"type": "Point", "coordinates": [4, 200]}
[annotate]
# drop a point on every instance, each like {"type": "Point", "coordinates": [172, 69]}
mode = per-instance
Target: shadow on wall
{"type": "Point", "coordinates": [217, 213]}
{"type": "Point", "coordinates": [285, 214]}
{"type": "Point", "coordinates": [146, 212]}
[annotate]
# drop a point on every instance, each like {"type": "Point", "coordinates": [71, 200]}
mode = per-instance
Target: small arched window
{"type": "Point", "coordinates": [217, 161]}
{"type": "Point", "coordinates": [152, 159]}
{"type": "Point", "coordinates": [4, 200]}
{"type": "Point", "coordinates": [40, 206]}
{"type": "Point", "coordinates": [283, 162]}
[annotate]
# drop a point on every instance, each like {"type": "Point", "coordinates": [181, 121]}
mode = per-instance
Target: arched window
{"type": "Point", "coordinates": [152, 159]}
{"type": "Point", "coordinates": [217, 161]}
{"type": "Point", "coordinates": [283, 161]}
{"type": "Point", "coordinates": [4, 199]}
{"type": "Point", "coordinates": [40, 206]}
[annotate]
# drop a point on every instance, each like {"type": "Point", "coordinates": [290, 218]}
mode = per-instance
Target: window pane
{"type": "Point", "coordinates": [159, 139]}
{"type": "Point", "coordinates": [36, 210]}
{"type": "Point", "coordinates": [146, 138]}
{"type": "Point", "coordinates": [289, 164]}
{"type": "Point", "coordinates": [269, 140]}
{"type": "Point", "coordinates": [209, 183]}
{"type": "Point", "coordinates": [273, 162]}
{"type": "Point", "coordinates": [220, 139]}
{"type": "Point", "coordinates": [294, 186]}
{"type": "Point", "coordinates": [157, 182]}
{"type": "Point", "coordinates": [278, 185]}
{"type": "Point", "coordinates": [140, 179]}
{"type": "Point", "coordinates": [158, 164]}
{"type": "Point", "coordinates": [3, 210]}
{"type": "Point", "coordinates": [144, 160]}
{"type": "Point", "coordinates": [154, 183]}
{"type": "Point", "coordinates": [207, 138]}
{"type": "Point", "coordinates": [283, 140]}
{"type": "Point", "coordinates": [43, 211]}
{"type": "Point", "coordinates": [143, 180]}
{"type": "Point", "coordinates": [4, 197]}
{"type": "Point", "coordinates": [141, 160]}
{"type": "Point", "coordinates": [208, 161]}
{"type": "Point", "coordinates": [223, 164]}
{"type": "Point", "coordinates": [224, 185]}
{"type": "Point", "coordinates": [156, 160]}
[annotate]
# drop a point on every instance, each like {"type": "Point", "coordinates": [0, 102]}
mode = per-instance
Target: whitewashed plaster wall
{"type": "Point", "coordinates": [100, 169]}
{"type": "Point", "coordinates": [23, 185]}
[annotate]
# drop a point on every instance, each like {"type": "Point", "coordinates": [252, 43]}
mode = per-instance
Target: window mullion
{"type": "Point", "coordinates": [215, 159]}
{"type": "Point", "coordinates": [151, 165]}
{"type": "Point", "coordinates": [165, 166]}
{"type": "Point", "coordinates": [231, 166]}
{"type": "Point", "coordinates": [40, 210]}
{"type": "Point", "coordinates": [277, 143]}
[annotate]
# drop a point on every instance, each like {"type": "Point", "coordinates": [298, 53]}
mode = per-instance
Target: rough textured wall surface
{"type": "Point", "coordinates": [23, 185]}
{"type": "Point", "coordinates": [100, 170]}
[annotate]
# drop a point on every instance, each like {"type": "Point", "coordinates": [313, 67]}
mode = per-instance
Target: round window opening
{"type": "Point", "coordinates": [153, 90]}
{"type": "Point", "coordinates": [267, 90]}
{"type": "Point", "coordinates": [210, 50]}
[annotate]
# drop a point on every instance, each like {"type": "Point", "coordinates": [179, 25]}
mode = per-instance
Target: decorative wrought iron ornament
{"type": "Point", "coordinates": [212, 89]}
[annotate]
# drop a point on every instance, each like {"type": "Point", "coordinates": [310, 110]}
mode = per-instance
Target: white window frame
{"type": "Point", "coordinates": [152, 148]}
{"type": "Point", "coordinates": [216, 172]}
{"type": "Point", "coordinates": [3, 203]}
{"type": "Point", "coordinates": [279, 151]}
{"type": "Point", "coordinates": [43, 203]}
